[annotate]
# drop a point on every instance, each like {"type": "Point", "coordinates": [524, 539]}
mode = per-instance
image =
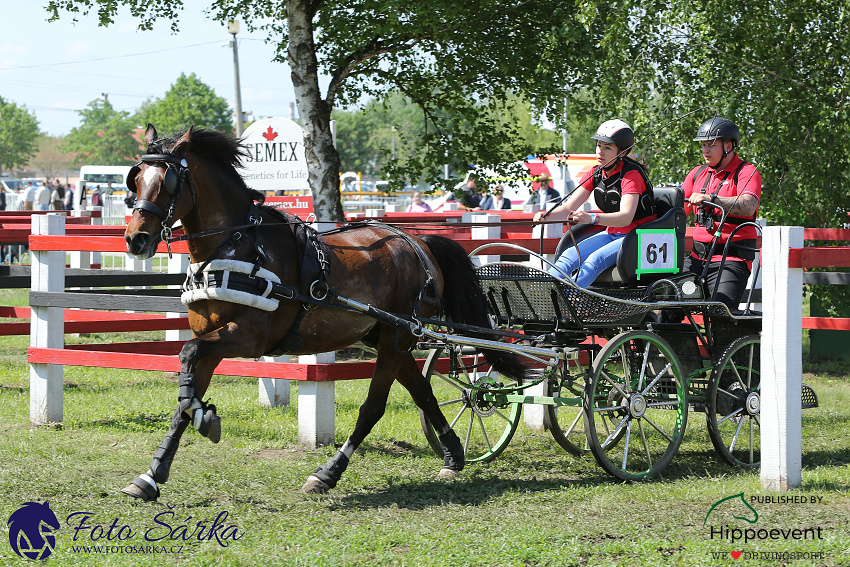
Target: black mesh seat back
{"type": "Point", "coordinates": [521, 294]}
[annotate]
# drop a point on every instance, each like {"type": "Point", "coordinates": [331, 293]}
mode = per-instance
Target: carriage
{"type": "Point", "coordinates": [611, 377]}
{"type": "Point", "coordinates": [619, 382]}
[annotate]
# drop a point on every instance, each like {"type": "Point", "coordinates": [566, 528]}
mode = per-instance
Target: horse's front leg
{"type": "Point", "coordinates": [198, 360]}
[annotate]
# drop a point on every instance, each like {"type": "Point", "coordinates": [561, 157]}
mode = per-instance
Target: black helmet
{"type": "Point", "coordinates": [615, 132]}
{"type": "Point", "coordinates": [715, 128]}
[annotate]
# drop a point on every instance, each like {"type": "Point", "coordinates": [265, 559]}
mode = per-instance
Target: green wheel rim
{"type": "Point", "coordinates": [734, 403]}
{"type": "Point", "coordinates": [636, 406]}
{"type": "Point", "coordinates": [483, 428]}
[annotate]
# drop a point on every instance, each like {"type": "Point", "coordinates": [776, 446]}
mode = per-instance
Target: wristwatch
{"type": "Point", "coordinates": [594, 218]}
{"type": "Point", "coordinates": [714, 197]}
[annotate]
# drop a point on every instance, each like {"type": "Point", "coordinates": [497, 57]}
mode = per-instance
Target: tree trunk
{"type": "Point", "coordinates": [315, 113]}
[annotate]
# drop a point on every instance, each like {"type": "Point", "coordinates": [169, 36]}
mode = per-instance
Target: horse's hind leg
{"type": "Point", "coordinates": [420, 390]}
{"type": "Point", "coordinates": [386, 369]}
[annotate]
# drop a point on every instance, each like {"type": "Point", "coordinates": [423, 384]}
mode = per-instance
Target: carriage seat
{"type": "Point", "coordinates": [669, 206]}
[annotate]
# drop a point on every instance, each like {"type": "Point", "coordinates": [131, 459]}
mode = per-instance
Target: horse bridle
{"type": "Point", "coordinates": [176, 173]}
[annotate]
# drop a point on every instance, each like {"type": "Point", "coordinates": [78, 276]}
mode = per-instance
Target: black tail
{"type": "Point", "coordinates": [464, 300]}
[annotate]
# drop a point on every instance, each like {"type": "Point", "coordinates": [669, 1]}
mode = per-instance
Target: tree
{"type": "Point", "coordinates": [456, 60]}
{"type": "Point", "coordinates": [50, 160]}
{"type": "Point", "coordinates": [105, 136]}
{"type": "Point", "coordinates": [188, 101]}
{"type": "Point", "coordinates": [18, 135]}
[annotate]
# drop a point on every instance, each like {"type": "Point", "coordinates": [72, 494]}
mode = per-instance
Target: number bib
{"type": "Point", "coordinates": [657, 251]}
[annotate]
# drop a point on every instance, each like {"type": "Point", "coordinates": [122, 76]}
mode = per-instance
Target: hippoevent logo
{"type": "Point", "coordinates": [31, 530]}
{"type": "Point", "coordinates": [32, 527]}
{"type": "Point", "coordinates": [724, 520]}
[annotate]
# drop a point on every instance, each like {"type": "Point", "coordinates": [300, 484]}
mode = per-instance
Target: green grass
{"type": "Point", "coordinates": [534, 505]}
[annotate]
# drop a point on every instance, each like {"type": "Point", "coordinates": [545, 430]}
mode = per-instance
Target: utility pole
{"type": "Point", "coordinates": [233, 28]}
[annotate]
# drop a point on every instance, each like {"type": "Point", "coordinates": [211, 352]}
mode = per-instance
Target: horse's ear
{"type": "Point", "coordinates": [150, 134]}
{"type": "Point", "coordinates": [182, 141]}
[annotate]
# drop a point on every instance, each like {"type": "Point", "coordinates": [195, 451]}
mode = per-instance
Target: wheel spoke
{"type": "Point", "coordinates": [735, 437]}
{"type": "Point", "coordinates": [503, 416]}
{"type": "Point", "coordinates": [725, 393]}
{"type": "Point", "coordinates": [645, 445]}
{"type": "Point", "coordinates": [750, 366]}
{"type": "Point", "coordinates": [616, 430]}
{"type": "Point", "coordinates": [450, 402]}
{"type": "Point", "coordinates": [614, 383]}
{"type": "Point", "coordinates": [643, 367]}
{"type": "Point", "coordinates": [733, 414]}
{"type": "Point", "coordinates": [624, 361]}
{"type": "Point", "coordinates": [484, 433]}
{"type": "Point", "coordinates": [751, 439]}
{"type": "Point", "coordinates": [468, 431]}
{"type": "Point", "coordinates": [457, 417]}
{"type": "Point", "coordinates": [449, 380]}
{"type": "Point", "coordinates": [626, 446]}
{"type": "Point", "coordinates": [656, 379]}
{"type": "Point", "coordinates": [652, 423]}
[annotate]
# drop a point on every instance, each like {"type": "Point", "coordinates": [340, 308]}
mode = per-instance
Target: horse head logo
{"type": "Point", "coordinates": [31, 530]}
{"type": "Point", "coordinates": [747, 513]}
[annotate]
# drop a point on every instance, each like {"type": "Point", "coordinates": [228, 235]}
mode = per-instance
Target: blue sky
{"type": "Point", "coordinates": [57, 68]}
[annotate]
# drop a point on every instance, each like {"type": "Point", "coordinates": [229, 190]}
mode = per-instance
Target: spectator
{"type": "Point", "coordinates": [69, 197]}
{"type": "Point", "coordinates": [96, 197]}
{"type": "Point", "coordinates": [545, 194]}
{"type": "Point", "coordinates": [470, 198]}
{"type": "Point", "coordinates": [29, 197]}
{"type": "Point", "coordinates": [495, 200]}
{"type": "Point", "coordinates": [57, 196]}
{"type": "Point", "coordinates": [42, 197]}
{"type": "Point", "coordinates": [418, 205]}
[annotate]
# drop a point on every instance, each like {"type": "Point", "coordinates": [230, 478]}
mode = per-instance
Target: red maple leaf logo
{"type": "Point", "coordinates": [270, 134]}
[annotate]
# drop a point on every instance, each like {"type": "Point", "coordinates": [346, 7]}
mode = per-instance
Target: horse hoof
{"type": "Point", "coordinates": [210, 426]}
{"type": "Point", "coordinates": [136, 492]}
{"type": "Point", "coordinates": [314, 485]}
{"type": "Point", "coordinates": [448, 474]}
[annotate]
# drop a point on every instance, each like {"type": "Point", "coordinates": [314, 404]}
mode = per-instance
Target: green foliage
{"type": "Point", "coordinates": [18, 135]}
{"type": "Point", "coordinates": [105, 136]}
{"type": "Point", "coordinates": [188, 101]}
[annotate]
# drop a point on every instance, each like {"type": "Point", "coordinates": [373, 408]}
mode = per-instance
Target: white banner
{"type": "Point", "coordinates": [276, 160]}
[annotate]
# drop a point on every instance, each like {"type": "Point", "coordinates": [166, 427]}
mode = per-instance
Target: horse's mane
{"type": "Point", "coordinates": [224, 149]}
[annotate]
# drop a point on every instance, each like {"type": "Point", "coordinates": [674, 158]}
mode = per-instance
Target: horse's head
{"type": "Point", "coordinates": [164, 193]}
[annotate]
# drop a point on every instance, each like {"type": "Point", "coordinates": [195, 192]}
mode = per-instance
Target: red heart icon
{"type": "Point", "coordinates": [736, 554]}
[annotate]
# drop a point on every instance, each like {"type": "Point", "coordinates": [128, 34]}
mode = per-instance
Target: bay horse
{"type": "Point", "coordinates": [240, 250]}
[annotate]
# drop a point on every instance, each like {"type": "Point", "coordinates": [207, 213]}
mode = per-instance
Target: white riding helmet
{"type": "Point", "coordinates": [615, 132]}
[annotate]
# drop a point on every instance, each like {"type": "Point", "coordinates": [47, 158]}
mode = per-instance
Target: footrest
{"type": "Point", "coordinates": [810, 399]}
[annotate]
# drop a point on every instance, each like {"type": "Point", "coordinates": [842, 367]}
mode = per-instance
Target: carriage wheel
{"type": "Point", "coordinates": [565, 423]}
{"type": "Point", "coordinates": [635, 406]}
{"type": "Point", "coordinates": [734, 401]}
{"type": "Point", "coordinates": [485, 429]}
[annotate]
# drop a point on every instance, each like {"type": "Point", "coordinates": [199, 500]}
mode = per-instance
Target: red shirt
{"type": "Point", "coordinates": [632, 182]}
{"type": "Point", "coordinates": [723, 184]}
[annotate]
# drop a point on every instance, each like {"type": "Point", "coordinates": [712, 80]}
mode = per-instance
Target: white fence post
{"type": "Point", "coordinates": [484, 233]}
{"type": "Point", "coordinates": [47, 324]}
{"type": "Point", "coordinates": [781, 361]}
{"type": "Point", "coordinates": [316, 406]}
{"type": "Point", "coordinates": [316, 399]}
{"type": "Point", "coordinates": [554, 230]}
{"type": "Point", "coordinates": [177, 264]}
{"type": "Point", "coordinates": [274, 392]}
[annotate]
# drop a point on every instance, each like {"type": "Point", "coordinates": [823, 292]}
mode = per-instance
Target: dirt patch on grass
{"type": "Point", "coordinates": [270, 454]}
